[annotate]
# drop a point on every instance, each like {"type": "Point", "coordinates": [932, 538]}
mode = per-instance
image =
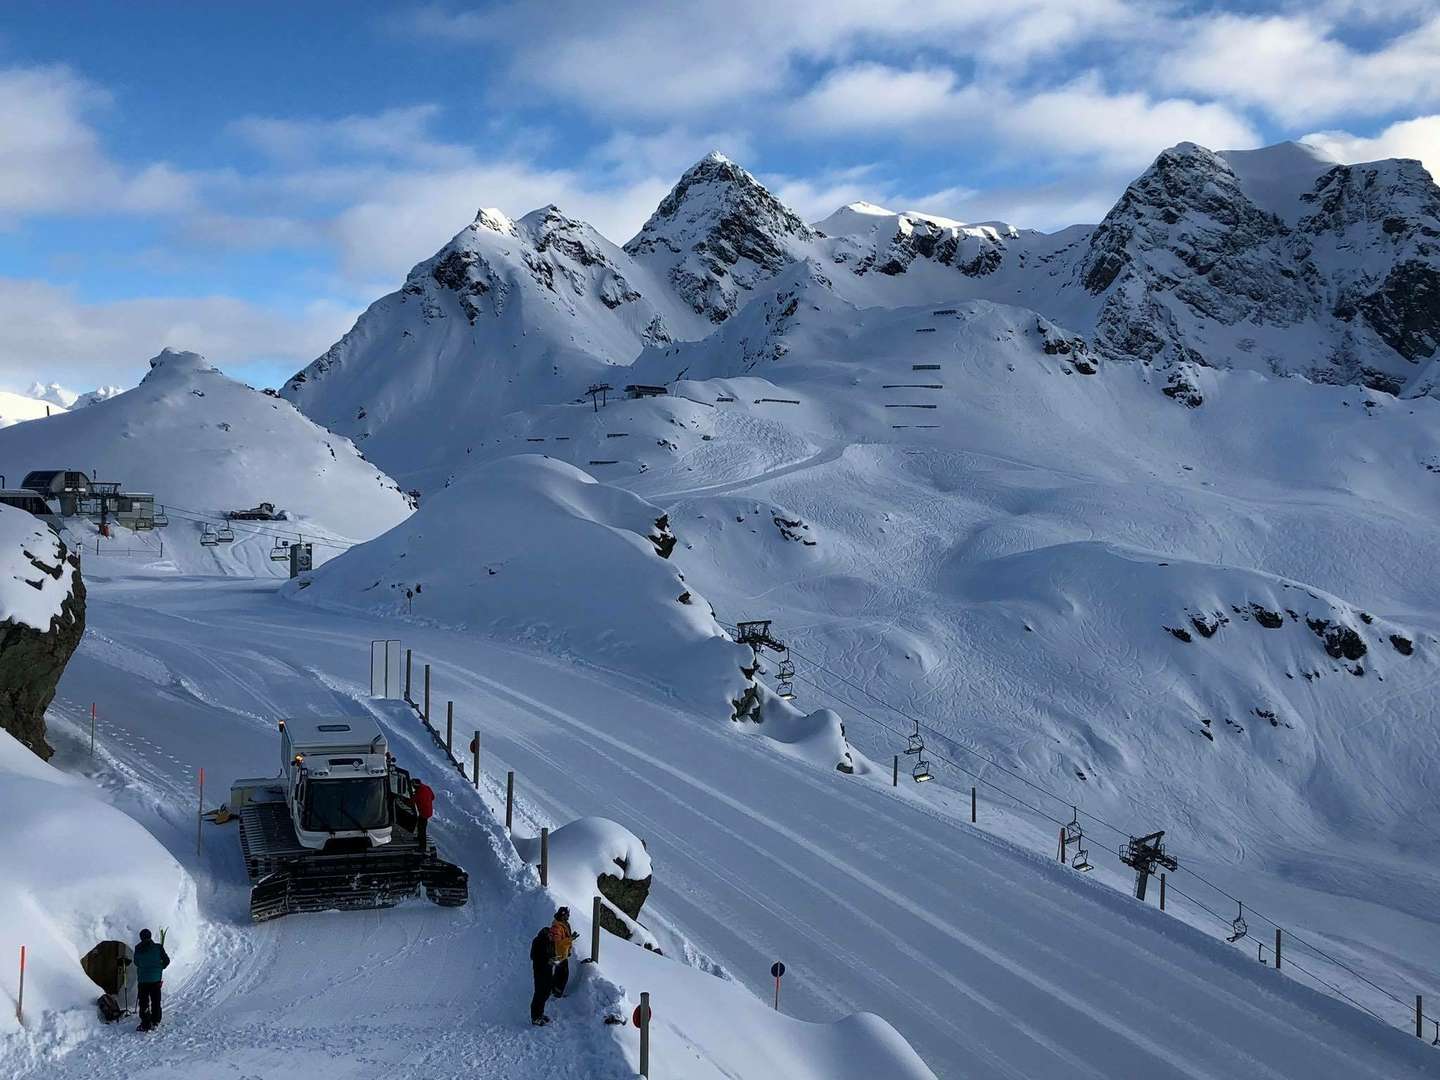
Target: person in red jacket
{"type": "Point", "coordinates": [423, 796]}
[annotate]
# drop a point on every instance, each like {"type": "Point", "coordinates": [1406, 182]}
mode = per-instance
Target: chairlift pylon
{"type": "Point", "coordinates": [1238, 928]}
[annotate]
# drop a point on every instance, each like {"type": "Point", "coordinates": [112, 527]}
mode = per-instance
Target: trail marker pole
{"type": "Point", "coordinates": [475, 766]}
{"type": "Point", "coordinates": [595, 931]}
{"type": "Point", "coordinates": [1419, 1019]}
{"type": "Point", "coordinates": [972, 805]}
{"type": "Point", "coordinates": [450, 728]}
{"type": "Point", "coordinates": [92, 729]}
{"type": "Point", "coordinates": [509, 800]}
{"type": "Point", "coordinates": [643, 1018]}
{"type": "Point", "coordinates": [1061, 855]}
{"type": "Point", "coordinates": [895, 772]}
{"type": "Point", "coordinates": [1162, 893]}
{"type": "Point", "coordinates": [200, 812]}
{"type": "Point", "coordinates": [427, 695]}
{"type": "Point", "coordinates": [408, 659]}
{"type": "Point", "coordinates": [544, 857]}
{"type": "Point", "coordinates": [777, 969]}
{"type": "Point", "coordinates": [1277, 948]}
{"type": "Point", "coordinates": [20, 999]}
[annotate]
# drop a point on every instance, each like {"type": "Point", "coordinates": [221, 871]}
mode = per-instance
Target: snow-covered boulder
{"type": "Point", "coordinates": [531, 549]}
{"type": "Point", "coordinates": [42, 618]}
{"type": "Point", "coordinates": [595, 855]}
{"type": "Point", "coordinates": [77, 872]}
{"type": "Point", "coordinates": [204, 444]}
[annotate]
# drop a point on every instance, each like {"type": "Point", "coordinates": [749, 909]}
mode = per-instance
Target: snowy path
{"type": "Point", "coordinates": [988, 962]}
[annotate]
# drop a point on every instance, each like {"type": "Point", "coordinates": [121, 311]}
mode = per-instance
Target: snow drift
{"type": "Point", "coordinates": [533, 550]}
{"type": "Point", "coordinates": [77, 872]}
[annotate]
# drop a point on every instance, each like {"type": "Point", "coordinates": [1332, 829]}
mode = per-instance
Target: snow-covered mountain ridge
{"type": "Point", "coordinates": [1275, 260]}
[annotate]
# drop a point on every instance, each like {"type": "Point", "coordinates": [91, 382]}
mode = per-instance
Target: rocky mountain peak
{"type": "Point", "coordinates": [719, 233]}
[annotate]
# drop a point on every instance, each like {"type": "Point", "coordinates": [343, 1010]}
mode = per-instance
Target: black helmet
{"type": "Point", "coordinates": [563, 914]}
{"type": "Point", "coordinates": [144, 935]}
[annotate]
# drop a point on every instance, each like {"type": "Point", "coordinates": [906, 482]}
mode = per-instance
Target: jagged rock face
{"type": "Point", "coordinates": [717, 235]}
{"type": "Point", "coordinates": [32, 661]}
{"type": "Point", "coordinates": [972, 250]}
{"type": "Point", "coordinates": [1191, 269]}
{"type": "Point", "coordinates": [1386, 217]}
{"type": "Point", "coordinates": [626, 894]}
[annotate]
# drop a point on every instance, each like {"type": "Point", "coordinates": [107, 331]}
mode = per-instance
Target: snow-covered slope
{"type": "Point", "coordinates": [77, 872]}
{"type": "Point", "coordinates": [204, 444]}
{"type": "Point", "coordinates": [17, 408]}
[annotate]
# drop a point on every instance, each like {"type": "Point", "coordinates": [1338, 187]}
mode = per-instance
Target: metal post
{"type": "Point", "coordinates": [1062, 844]}
{"type": "Point", "coordinates": [972, 806]}
{"type": "Point", "coordinates": [895, 772]}
{"type": "Point", "coordinates": [645, 1034]}
{"type": "Point", "coordinates": [427, 695]}
{"type": "Point", "coordinates": [450, 728]}
{"type": "Point", "coordinates": [1419, 1018]}
{"type": "Point", "coordinates": [544, 857]}
{"type": "Point", "coordinates": [595, 931]}
{"type": "Point", "coordinates": [1277, 948]}
{"type": "Point", "coordinates": [509, 799]}
{"type": "Point", "coordinates": [1162, 895]}
{"type": "Point", "coordinates": [475, 766]}
{"type": "Point", "coordinates": [92, 729]}
{"type": "Point", "coordinates": [200, 812]}
{"type": "Point", "coordinates": [20, 1000]}
{"type": "Point", "coordinates": [408, 659]}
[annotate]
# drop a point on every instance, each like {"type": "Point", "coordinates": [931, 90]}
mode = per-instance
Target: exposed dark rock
{"type": "Point", "coordinates": [1179, 631]}
{"type": "Point", "coordinates": [1403, 645]}
{"type": "Point", "coordinates": [1206, 623]}
{"type": "Point", "coordinates": [626, 894]}
{"type": "Point", "coordinates": [1271, 620]}
{"type": "Point", "coordinates": [32, 662]}
{"type": "Point", "coordinates": [1341, 642]}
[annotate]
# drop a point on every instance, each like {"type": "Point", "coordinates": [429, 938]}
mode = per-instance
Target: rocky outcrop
{"type": "Point", "coordinates": [626, 894]}
{"type": "Point", "coordinates": [717, 235]}
{"type": "Point", "coordinates": [32, 661]}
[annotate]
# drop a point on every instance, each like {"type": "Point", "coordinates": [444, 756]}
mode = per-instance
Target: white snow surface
{"type": "Point", "coordinates": [77, 872]}
{"type": "Point", "coordinates": [18, 408]}
{"type": "Point", "coordinates": [203, 445]}
{"type": "Point", "coordinates": [530, 548]}
{"type": "Point", "coordinates": [35, 576]}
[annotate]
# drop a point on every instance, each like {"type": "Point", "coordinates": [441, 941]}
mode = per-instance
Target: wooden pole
{"type": "Point", "coordinates": [408, 665]}
{"type": "Point", "coordinates": [595, 931]}
{"type": "Point", "coordinates": [645, 1034]}
{"type": "Point", "coordinates": [200, 813]}
{"type": "Point", "coordinates": [427, 695]}
{"type": "Point", "coordinates": [895, 772]}
{"type": "Point", "coordinates": [1061, 855]}
{"type": "Point", "coordinates": [544, 857]}
{"type": "Point", "coordinates": [450, 728]}
{"type": "Point", "coordinates": [972, 806]}
{"type": "Point", "coordinates": [475, 766]}
{"type": "Point", "coordinates": [1277, 948]}
{"type": "Point", "coordinates": [1162, 891]}
{"type": "Point", "coordinates": [20, 999]}
{"type": "Point", "coordinates": [509, 800]}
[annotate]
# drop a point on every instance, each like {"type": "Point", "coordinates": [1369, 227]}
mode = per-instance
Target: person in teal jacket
{"type": "Point", "coordinates": [151, 960]}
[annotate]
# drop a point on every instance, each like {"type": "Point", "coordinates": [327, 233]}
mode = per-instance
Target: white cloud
{"type": "Point", "coordinates": [48, 329]}
{"type": "Point", "coordinates": [1298, 69]}
{"type": "Point", "coordinates": [1078, 120]}
{"type": "Point", "coordinates": [51, 159]}
{"type": "Point", "coordinates": [1418, 138]}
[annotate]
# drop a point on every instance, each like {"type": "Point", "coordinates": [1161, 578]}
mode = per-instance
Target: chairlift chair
{"type": "Point", "coordinates": [1081, 861]}
{"type": "Point", "coordinates": [161, 519]}
{"type": "Point", "coordinates": [1238, 927]}
{"type": "Point", "coordinates": [785, 678]}
{"type": "Point", "coordinates": [207, 536]}
{"type": "Point", "coordinates": [225, 534]}
{"type": "Point", "coordinates": [280, 552]}
{"type": "Point", "coordinates": [921, 772]}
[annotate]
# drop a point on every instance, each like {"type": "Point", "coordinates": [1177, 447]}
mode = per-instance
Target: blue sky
{"type": "Point", "coordinates": [243, 179]}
